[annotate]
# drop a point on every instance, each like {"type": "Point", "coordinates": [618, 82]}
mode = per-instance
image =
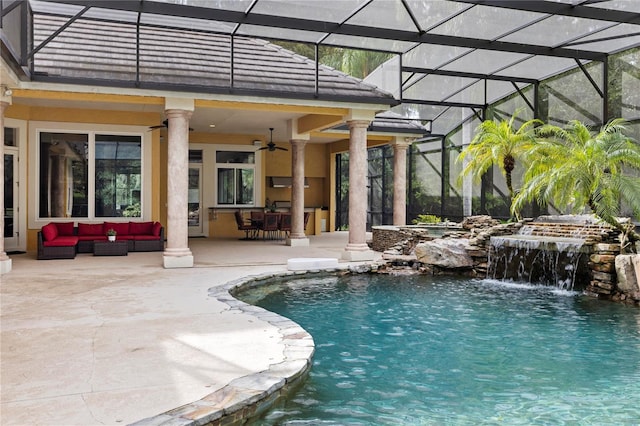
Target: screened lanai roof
{"type": "Point", "coordinates": [451, 58]}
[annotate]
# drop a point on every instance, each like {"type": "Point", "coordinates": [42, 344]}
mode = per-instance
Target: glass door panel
{"type": "Point", "coordinates": [10, 200]}
{"type": "Point", "coordinates": [195, 201]}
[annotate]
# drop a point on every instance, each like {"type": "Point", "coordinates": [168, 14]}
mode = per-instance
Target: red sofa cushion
{"type": "Point", "coordinates": [90, 229]}
{"type": "Point", "coordinates": [141, 228]}
{"type": "Point", "coordinates": [49, 232]}
{"type": "Point", "coordinates": [157, 226]}
{"type": "Point", "coordinates": [64, 228]}
{"type": "Point", "coordinates": [62, 241]}
{"type": "Point", "coordinates": [122, 228]}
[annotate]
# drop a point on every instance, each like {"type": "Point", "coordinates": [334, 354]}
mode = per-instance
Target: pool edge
{"type": "Point", "coordinates": [248, 396]}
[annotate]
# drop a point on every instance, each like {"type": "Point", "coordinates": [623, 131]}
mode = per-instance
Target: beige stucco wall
{"type": "Point", "coordinates": [31, 114]}
{"type": "Point", "coordinates": [220, 224]}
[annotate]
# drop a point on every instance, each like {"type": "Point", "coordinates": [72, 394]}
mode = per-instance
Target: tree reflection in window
{"type": "Point", "coordinates": [66, 174]}
{"type": "Point", "coordinates": [235, 173]}
{"type": "Point", "coordinates": [118, 176]}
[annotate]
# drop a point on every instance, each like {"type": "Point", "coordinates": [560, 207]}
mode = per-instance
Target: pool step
{"type": "Point", "coordinates": [311, 263]}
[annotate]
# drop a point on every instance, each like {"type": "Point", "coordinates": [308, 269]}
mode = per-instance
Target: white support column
{"type": "Point", "coordinates": [400, 146]}
{"type": "Point", "coordinates": [357, 248]}
{"type": "Point", "coordinates": [5, 260]}
{"type": "Point", "coordinates": [297, 237]}
{"type": "Point", "coordinates": [177, 253]}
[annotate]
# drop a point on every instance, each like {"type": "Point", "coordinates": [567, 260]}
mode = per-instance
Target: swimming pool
{"type": "Point", "coordinates": [442, 350]}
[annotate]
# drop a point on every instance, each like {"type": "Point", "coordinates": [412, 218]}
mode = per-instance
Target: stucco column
{"type": "Point", "coordinates": [357, 248]}
{"type": "Point", "coordinates": [297, 236]}
{"type": "Point", "coordinates": [177, 253]}
{"type": "Point", "coordinates": [400, 182]}
{"type": "Point", "coordinates": [5, 261]}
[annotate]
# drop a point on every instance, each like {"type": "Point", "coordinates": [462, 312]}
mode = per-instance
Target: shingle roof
{"type": "Point", "coordinates": [389, 121]}
{"type": "Point", "coordinates": [392, 122]}
{"type": "Point", "coordinates": [89, 49]}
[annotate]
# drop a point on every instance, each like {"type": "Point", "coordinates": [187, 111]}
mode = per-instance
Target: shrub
{"type": "Point", "coordinates": [427, 218]}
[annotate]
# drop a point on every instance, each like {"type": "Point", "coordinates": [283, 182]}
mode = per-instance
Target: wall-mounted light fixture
{"type": "Point", "coordinates": [257, 142]}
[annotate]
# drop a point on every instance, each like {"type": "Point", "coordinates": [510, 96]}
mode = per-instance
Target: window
{"type": "Point", "coordinates": [118, 176]}
{"type": "Point", "coordinates": [10, 136]}
{"type": "Point", "coordinates": [235, 171]}
{"type": "Point", "coordinates": [195, 156]}
{"type": "Point", "coordinates": [70, 164]}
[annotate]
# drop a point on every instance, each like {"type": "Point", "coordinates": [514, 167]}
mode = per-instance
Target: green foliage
{"type": "Point", "coordinates": [304, 49]}
{"type": "Point", "coordinates": [356, 63]}
{"type": "Point", "coordinates": [498, 143]}
{"type": "Point", "coordinates": [619, 66]}
{"type": "Point", "coordinates": [427, 218]}
{"type": "Point", "coordinates": [132, 210]}
{"type": "Point", "coordinates": [494, 205]}
{"type": "Point", "coordinates": [573, 168]}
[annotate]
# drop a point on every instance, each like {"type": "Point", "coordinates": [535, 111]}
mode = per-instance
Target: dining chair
{"type": "Point", "coordinates": [249, 228]}
{"type": "Point", "coordinates": [284, 225]}
{"type": "Point", "coordinates": [270, 225]}
{"type": "Point", "coordinates": [257, 219]}
{"type": "Point", "coordinates": [306, 219]}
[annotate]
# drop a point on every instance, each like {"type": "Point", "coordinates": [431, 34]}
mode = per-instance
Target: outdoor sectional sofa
{"type": "Point", "coordinates": [63, 240]}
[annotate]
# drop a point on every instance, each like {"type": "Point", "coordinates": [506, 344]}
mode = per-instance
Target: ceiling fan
{"type": "Point", "coordinates": [165, 124]}
{"type": "Point", "coordinates": [272, 146]}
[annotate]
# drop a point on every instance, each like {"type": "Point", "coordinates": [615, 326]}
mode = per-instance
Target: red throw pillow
{"type": "Point", "coordinates": [90, 229]}
{"type": "Point", "coordinates": [157, 226]}
{"type": "Point", "coordinates": [140, 228]}
{"type": "Point", "coordinates": [49, 232]}
{"type": "Point", "coordinates": [122, 228]}
{"type": "Point", "coordinates": [64, 228]}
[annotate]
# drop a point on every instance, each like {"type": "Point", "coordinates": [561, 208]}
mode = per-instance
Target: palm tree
{"type": "Point", "coordinates": [575, 168]}
{"type": "Point", "coordinates": [361, 63]}
{"type": "Point", "coordinates": [498, 143]}
{"type": "Point", "coordinates": [356, 63]}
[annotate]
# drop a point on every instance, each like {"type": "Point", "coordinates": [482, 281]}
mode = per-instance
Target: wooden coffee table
{"type": "Point", "coordinates": [110, 248]}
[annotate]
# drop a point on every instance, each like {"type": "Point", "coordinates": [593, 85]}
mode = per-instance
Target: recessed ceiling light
{"type": "Point", "coordinates": [212, 125]}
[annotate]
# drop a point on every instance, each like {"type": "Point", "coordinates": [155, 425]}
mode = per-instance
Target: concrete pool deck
{"type": "Point", "coordinates": [115, 340]}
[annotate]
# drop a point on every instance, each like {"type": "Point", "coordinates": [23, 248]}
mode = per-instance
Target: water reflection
{"type": "Point", "coordinates": [454, 351]}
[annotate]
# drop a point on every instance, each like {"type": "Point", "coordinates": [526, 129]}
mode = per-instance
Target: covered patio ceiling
{"type": "Point", "coordinates": [450, 58]}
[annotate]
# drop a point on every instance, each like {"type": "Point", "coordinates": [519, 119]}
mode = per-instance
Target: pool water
{"type": "Point", "coordinates": [423, 350]}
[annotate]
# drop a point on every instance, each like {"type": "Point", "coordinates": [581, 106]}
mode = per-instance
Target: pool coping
{"type": "Point", "coordinates": [250, 395]}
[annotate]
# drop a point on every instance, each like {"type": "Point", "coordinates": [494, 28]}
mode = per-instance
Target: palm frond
{"type": "Point", "coordinates": [573, 168]}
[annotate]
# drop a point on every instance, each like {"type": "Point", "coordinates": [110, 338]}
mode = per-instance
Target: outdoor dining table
{"type": "Point", "coordinates": [257, 219]}
{"type": "Point", "coordinates": [270, 225]}
{"type": "Point", "coordinates": [274, 225]}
